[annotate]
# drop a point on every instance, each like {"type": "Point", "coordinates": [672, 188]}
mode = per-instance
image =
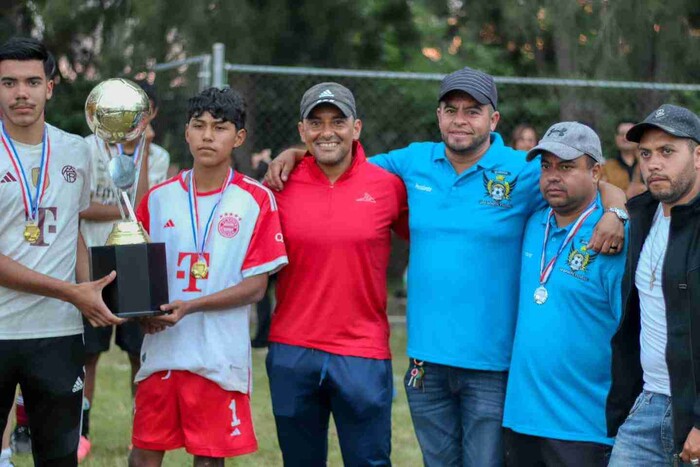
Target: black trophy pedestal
{"type": "Point", "coordinates": [141, 285]}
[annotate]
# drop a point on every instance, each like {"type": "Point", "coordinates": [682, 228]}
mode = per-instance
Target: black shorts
{"type": "Point", "coordinates": [50, 373]}
{"type": "Point", "coordinates": [129, 338]}
{"type": "Point", "coordinates": [534, 451]}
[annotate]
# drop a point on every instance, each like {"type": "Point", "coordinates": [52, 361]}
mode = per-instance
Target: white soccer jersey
{"type": "Point", "coordinates": [245, 240]}
{"type": "Point", "coordinates": [28, 316]}
{"type": "Point", "coordinates": [96, 232]}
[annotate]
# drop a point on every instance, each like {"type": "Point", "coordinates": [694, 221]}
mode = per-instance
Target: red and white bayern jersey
{"type": "Point", "coordinates": [245, 240]}
{"type": "Point", "coordinates": [29, 316]}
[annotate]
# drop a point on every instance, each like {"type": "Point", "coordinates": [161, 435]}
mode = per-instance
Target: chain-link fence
{"type": "Point", "coordinates": [399, 108]}
{"type": "Point", "coordinates": [396, 108]}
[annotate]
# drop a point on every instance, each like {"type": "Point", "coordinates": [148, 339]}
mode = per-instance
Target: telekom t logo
{"type": "Point", "coordinates": [185, 273]}
{"type": "Point", "coordinates": [45, 224]}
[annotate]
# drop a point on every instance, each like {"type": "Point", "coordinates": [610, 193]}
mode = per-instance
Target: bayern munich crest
{"type": "Point", "coordinates": [229, 225]}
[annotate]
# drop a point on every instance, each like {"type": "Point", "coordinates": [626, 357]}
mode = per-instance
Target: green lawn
{"type": "Point", "coordinates": [110, 418]}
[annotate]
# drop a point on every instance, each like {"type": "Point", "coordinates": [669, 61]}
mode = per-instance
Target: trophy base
{"type": "Point", "coordinates": [141, 285]}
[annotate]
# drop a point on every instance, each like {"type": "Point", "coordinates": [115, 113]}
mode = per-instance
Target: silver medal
{"type": "Point", "coordinates": [123, 171]}
{"type": "Point", "coordinates": [541, 295]}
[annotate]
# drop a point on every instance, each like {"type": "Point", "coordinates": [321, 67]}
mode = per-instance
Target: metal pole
{"type": "Point", "coordinates": [218, 71]}
{"type": "Point", "coordinates": [204, 74]}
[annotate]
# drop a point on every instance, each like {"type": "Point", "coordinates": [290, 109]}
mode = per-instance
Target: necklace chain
{"type": "Point", "coordinates": [662, 255]}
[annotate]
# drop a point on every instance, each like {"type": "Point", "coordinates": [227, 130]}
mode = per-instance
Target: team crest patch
{"type": "Point", "coordinates": [69, 173]}
{"type": "Point", "coordinates": [35, 177]}
{"type": "Point", "coordinates": [229, 225]}
{"type": "Point", "coordinates": [579, 260]}
{"type": "Point", "coordinates": [499, 189]}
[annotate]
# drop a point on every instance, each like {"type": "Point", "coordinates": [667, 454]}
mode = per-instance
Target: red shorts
{"type": "Point", "coordinates": [175, 409]}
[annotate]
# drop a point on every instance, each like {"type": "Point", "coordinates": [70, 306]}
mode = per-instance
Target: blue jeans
{"type": "Point", "coordinates": [646, 437]}
{"type": "Point", "coordinates": [457, 415]}
{"type": "Point", "coordinates": [308, 385]}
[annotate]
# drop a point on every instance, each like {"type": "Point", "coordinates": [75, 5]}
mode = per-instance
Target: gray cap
{"type": "Point", "coordinates": [569, 141]}
{"type": "Point", "coordinates": [476, 83]}
{"type": "Point", "coordinates": [328, 93]}
{"type": "Point", "coordinates": [674, 120]}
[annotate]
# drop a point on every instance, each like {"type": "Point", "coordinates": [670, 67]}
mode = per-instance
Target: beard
{"type": "Point", "coordinates": [678, 188]}
{"type": "Point", "coordinates": [465, 149]}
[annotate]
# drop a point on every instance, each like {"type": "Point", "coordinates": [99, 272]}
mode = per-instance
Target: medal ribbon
{"type": "Point", "coordinates": [136, 154]}
{"type": "Point", "coordinates": [194, 210]}
{"type": "Point", "coordinates": [31, 206]}
{"type": "Point", "coordinates": [546, 271]}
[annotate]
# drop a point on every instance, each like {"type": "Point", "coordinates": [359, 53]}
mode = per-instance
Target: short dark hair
{"type": "Point", "coordinates": [590, 162]}
{"type": "Point", "coordinates": [226, 104]}
{"type": "Point", "coordinates": [692, 144]}
{"type": "Point", "coordinates": [24, 49]}
{"type": "Point", "coordinates": [150, 90]}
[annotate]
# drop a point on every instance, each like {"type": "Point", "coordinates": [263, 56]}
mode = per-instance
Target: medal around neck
{"type": "Point", "coordinates": [541, 295]}
{"type": "Point", "coordinates": [116, 111]}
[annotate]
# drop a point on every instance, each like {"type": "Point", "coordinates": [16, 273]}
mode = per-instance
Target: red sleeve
{"type": "Point", "coordinates": [266, 252]}
{"type": "Point", "coordinates": [400, 225]}
{"type": "Point", "coordinates": [142, 213]}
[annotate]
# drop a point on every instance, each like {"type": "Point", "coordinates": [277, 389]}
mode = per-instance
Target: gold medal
{"type": "Point", "coordinates": [31, 232]}
{"type": "Point", "coordinates": [199, 269]}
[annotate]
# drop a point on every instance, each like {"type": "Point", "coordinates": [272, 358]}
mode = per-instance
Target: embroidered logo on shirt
{"type": "Point", "coordinates": [69, 173]}
{"type": "Point", "coordinates": [499, 189]}
{"type": "Point", "coordinates": [169, 224]}
{"type": "Point", "coordinates": [229, 225]}
{"type": "Point", "coordinates": [8, 178]}
{"type": "Point", "coordinates": [579, 260]}
{"type": "Point", "coordinates": [366, 198]}
{"type": "Point", "coordinates": [424, 188]}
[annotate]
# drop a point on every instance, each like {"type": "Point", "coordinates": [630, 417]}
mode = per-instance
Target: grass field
{"type": "Point", "coordinates": [110, 418]}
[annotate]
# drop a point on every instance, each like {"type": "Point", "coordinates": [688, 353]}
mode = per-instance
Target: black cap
{"type": "Point", "coordinates": [328, 93]}
{"type": "Point", "coordinates": [476, 83]}
{"type": "Point", "coordinates": [674, 120]}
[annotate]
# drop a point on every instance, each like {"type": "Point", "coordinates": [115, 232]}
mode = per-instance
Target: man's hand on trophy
{"type": "Point", "coordinates": [87, 297]}
{"type": "Point", "coordinates": [176, 311]}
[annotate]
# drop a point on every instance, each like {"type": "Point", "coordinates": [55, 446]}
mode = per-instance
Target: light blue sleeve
{"type": "Point", "coordinates": [531, 176]}
{"type": "Point", "coordinates": [396, 161]}
{"type": "Point", "coordinates": [613, 279]}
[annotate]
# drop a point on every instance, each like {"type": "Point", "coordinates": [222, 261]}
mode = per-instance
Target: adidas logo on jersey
{"type": "Point", "coordinates": [8, 178]}
{"type": "Point", "coordinates": [326, 94]}
{"type": "Point", "coordinates": [168, 224]}
{"type": "Point", "coordinates": [366, 198]}
{"type": "Point", "coordinates": [78, 385]}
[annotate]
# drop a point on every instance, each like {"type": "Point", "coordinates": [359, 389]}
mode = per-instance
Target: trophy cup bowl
{"type": "Point", "coordinates": [117, 111]}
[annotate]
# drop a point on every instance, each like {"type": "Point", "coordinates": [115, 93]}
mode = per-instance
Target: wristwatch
{"type": "Point", "coordinates": [620, 213]}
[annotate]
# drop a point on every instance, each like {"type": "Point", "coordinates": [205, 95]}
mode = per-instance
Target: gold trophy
{"type": "Point", "coordinates": [117, 111]}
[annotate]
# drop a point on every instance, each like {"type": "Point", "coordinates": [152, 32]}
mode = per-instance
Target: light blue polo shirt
{"type": "Point", "coordinates": [560, 373]}
{"type": "Point", "coordinates": [465, 248]}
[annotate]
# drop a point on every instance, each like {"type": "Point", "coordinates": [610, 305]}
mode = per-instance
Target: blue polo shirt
{"type": "Point", "coordinates": [560, 373]}
{"type": "Point", "coordinates": [466, 235]}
